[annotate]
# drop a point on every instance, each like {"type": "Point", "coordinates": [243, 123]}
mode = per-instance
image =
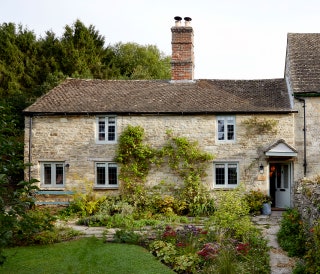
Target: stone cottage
{"type": "Point", "coordinates": [256, 129]}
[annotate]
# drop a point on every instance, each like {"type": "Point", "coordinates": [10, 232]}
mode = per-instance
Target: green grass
{"type": "Point", "coordinates": [87, 255]}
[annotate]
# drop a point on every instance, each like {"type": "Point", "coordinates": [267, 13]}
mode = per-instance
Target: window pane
{"type": "Point", "coordinates": [47, 174]}
{"type": "Point", "coordinates": [112, 172]}
{"type": "Point", "coordinates": [59, 174]}
{"type": "Point", "coordinates": [220, 174]}
{"type": "Point", "coordinates": [112, 120]}
{"type": "Point", "coordinates": [111, 133]}
{"type": "Point", "coordinates": [220, 129]}
{"type": "Point", "coordinates": [101, 174]}
{"type": "Point", "coordinates": [102, 129]}
{"type": "Point", "coordinates": [286, 176]}
{"type": "Point", "coordinates": [230, 132]}
{"type": "Point", "coordinates": [232, 174]}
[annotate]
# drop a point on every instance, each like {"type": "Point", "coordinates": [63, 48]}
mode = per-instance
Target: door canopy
{"type": "Point", "coordinates": [281, 149]}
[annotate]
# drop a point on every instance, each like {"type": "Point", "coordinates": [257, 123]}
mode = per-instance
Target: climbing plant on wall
{"type": "Point", "coordinates": [135, 158]}
{"type": "Point", "coordinates": [187, 160]}
{"type": "Point", "coordinates": [256, 125]}
{"type": "Point", "coordinates": [184, 157]}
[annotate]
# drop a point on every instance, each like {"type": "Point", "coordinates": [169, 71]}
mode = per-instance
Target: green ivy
{"type": "Point", "coordinates": [184, 157]}
{"type": "Point", "coordinates": [135, 159]}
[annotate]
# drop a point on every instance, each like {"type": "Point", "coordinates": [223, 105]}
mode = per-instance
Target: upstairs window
{"type": "Point", "coordinates": [226, 175]}
{"type": "Point", "coordinates": [52, 174]}
{"type": "Point", "coordinates": [106, 175]}
{"type": "Point", "coordinates": [226, 128]}
{"type": "Point", "coordinates": [106, 129]}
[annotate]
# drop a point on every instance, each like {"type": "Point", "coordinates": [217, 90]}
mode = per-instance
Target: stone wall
{"type": "Point", "coordinates": [312, 136]}
{"type": "Point", "coordinates": [307, 200]}
{"type": "Point", "coordinates": [71, 139]}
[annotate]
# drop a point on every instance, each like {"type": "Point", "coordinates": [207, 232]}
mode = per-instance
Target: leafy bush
{"type": "Point", "coordinates": [84, 204]}
{"type": "Point", "coordinates": [255, 200]}
{"type": "Point", "coordinates": [31, 225]}
{"type": "Point", "coordinates": [232, 214]}
{"type": "Point", "coordinates": [291, 236]}
{"type": "Point", "coordinates": [128, 237]}
{"type": "Point", "coordinates": [37, 227]}
{"type": "Point", "coordinates": [312, 257]}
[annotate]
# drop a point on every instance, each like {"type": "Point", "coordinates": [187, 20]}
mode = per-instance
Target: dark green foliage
{"type": "Point", "coordinates": [185, 159]}
{"type": "Point", "coordinates": [128, 237]}
{"type": "Point", "coordinates": [255, 200]}
{"type": "Point", "coordinates": [133, 61]}
{"type": "Point", "coordinates": [135, 158]}
{"type": "Point", "coordinates": [31, 225]}
{"type": "Point", "coordinates": [300, 268]}
{"type": "Point", "coordinates": [312, 257]}
{"type": "Point", "coordinates": [291, 236]}
{"type": "Point", "coordinates": [14, 203]}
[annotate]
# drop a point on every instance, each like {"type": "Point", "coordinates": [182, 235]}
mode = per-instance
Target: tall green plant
{"type": "Point", "coordinates": [14, 205]}
{"type": "Point", "coordinates": [135, 158]}
{"type": "Point", "coordinates": [184, 157]}
{"type": "Point", "coordinates": [232, 214]}
{"type": "Point", "coordinates": [291, 236]}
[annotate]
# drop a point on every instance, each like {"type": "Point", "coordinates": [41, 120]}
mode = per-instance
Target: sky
{"type": "Point", "coordinates": [233, 39]}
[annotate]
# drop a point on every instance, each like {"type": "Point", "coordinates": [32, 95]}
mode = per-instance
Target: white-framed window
{"type": "Point", "coordinates": [226, 174]}
{"type": "Point", "coordinates": [106, 129]}
{"type": "Point", "coordinates": [52, 174]}
{"type": "Point", "coordinates": [226, 128]}
{"type": "Point", "coordinates": [106, 174]}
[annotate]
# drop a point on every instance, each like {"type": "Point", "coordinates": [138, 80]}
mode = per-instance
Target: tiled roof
{"type": "Point", "coordinates": [303, 61]}
{"type": "Point", "coordinates": [161, 96]}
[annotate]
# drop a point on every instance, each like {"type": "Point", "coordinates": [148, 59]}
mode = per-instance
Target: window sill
{"type": "Point", "coordinates": [52, 188]}
{"type": "Point", "coordinates": [106, 187]}
{"type": "Point", "coordinates": [225, 187]}
{"type": "Point", "coordinates": [106, 142]}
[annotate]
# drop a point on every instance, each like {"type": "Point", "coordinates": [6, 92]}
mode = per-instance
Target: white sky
{"type": "Point", "coordinates": [234, 39]}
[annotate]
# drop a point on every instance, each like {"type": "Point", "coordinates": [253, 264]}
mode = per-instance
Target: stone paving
{"type": "Point", "coordinates": [270, 224]}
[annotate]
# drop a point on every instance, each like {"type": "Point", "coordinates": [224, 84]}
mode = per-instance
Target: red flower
{"type": "Point", "coordinates": [243, 248]}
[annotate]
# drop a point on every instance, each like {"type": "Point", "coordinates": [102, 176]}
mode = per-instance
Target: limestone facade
{"type": "Point", "coordinates": [71, 140]}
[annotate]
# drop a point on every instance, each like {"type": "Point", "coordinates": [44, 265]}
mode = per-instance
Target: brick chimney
{"type": "Point", "coordinates": [182, 60]}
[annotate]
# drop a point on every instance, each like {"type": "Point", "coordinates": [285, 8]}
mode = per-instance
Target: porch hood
{"type": "Point", "coordinates": [280, 149]}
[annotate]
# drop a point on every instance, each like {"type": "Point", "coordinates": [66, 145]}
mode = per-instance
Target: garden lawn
{"type": "Point", "coordinates": [87, 255]}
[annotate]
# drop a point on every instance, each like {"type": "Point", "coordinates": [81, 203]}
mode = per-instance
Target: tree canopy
{"type": "Point", "coordinates": [30, 66]}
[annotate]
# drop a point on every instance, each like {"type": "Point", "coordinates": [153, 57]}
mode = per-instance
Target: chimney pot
{"type": "Point", "coordinates": [178, 21]}
{"type": "Point", "coordinates": [187, 21]}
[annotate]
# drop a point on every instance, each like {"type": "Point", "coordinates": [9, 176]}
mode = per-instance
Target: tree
{"type": "Point", "coordinates": [133, 61]}
{"type": "Point", "coordinates": [14, 194]}
{"type": "Point", "coordinates": [18, 60]}
{"type": "Point", "coordinates": [82, 50]}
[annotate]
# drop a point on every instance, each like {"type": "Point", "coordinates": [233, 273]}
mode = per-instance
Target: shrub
{"type": "Point", "coordinates": [291, 236]}
{"type": "Point", "coordinates": [312, 257]}
{"type": "Point", "coordinates": [255, 200]}
{"type": "Point", "coordinates": [32, 225]}
{"type": "Point", "coordinates": [37, 227]}
{"type": "Point", "coordinates": [232, 215]}
{"type": "Point", "coordinates": [128, 237]}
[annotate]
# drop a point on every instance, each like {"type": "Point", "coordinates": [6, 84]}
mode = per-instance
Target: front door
{"type": "Point", "coordinates": [280, 177]}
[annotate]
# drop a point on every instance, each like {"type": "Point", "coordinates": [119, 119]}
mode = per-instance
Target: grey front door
{"type": "Point", "coordinates": [280, 177]}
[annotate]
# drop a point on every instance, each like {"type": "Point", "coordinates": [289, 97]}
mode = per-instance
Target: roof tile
{"type": "Point", "coordinates": [163, 96]}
